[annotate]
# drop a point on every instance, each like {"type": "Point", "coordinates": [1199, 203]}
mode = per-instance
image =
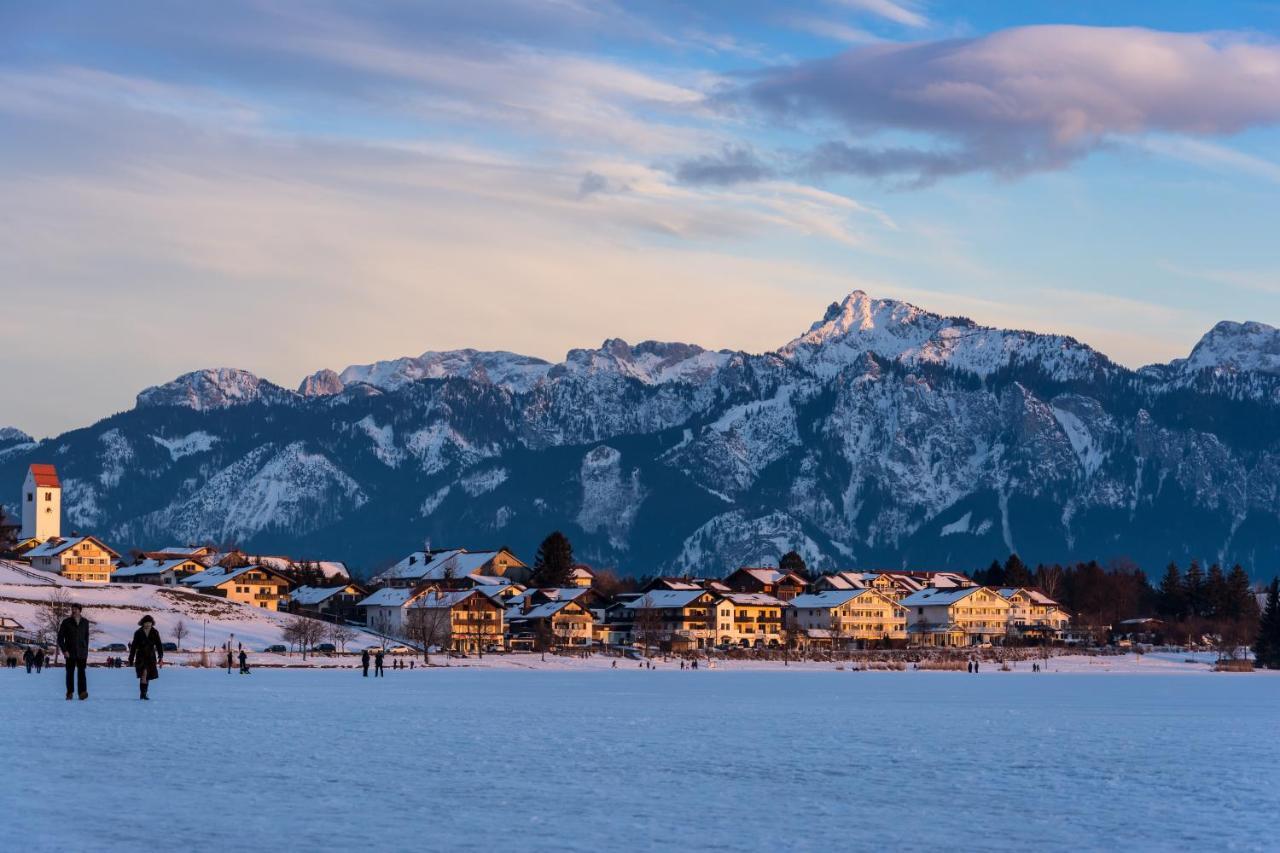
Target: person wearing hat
{"type": "Point", "coordinates": [73, 640]}
{"type": "Point", "coordinates": [145, 653]}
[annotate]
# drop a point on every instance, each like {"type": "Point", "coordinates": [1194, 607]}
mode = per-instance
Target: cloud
{"type": "Point", "coordinates": [734, 164]}
{"type": "Point", "coordinates": [898, 13]}
{"type": "Point", "coordinates": [832, 30]}
{"type": "Point", "coordinates": [1019, 100]}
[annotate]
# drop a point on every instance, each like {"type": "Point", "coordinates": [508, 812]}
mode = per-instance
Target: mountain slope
{"type": "Point", "coordinates": [885, 435]}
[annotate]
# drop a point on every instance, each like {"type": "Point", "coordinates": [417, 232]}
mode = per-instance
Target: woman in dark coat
{"type": "Point", "coordinates": [145, 653]}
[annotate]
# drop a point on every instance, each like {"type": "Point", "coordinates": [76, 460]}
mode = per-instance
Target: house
{"type": "Point", "coordinates": [198, 553]}
{"type": "Point", "coordinates": [669, 583]}
{"type": "Point", "coordinates": [1032, 613]}
{"type": "Point", "coordinates": [258, 586]}
{"type": "Point", "coordinates": [167, 572]}
{"type": "Point", "coordinates": [582, 576]}
{"type": "Point", "coordinates": [673, 620]}
{"type": "Point", "coordinates": [384, 609]}
{"type": "Point", "coordinates": [956, 617]}
{"type": "Point", "coordinates": [459, 620]}
{"type": "Point", "coordinates": [852, 618]}
{"type": "Point", "coordinates": [779, 584]}
{"type": "Point", "coordinates": [81, 558]}
{"type": "Point", "coordinates": [41, 503]}
{"type": "Point", "coordinates": [754, 620]}
{"type": "Point", "coordinates": [9, 629]}
{"type": "Point", "coordinates": [453, 568]}
{"type": "Point", "coordinates": [564, 624]}
{"type": "Point", "coordinates": [332, 602]}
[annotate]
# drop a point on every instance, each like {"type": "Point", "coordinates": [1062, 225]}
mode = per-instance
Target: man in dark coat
{"type": "Point", "coordinates": [145, 653]}
{"type": "Point", "coordinates": [377, 664]}
{"type": "Point", "coordinates": [28, 659]}
{"type": "Point", "coordinates": [39, 660]}
{"type": "Point", "coordinates": [364, 662]}
{"type": "Point", "coordinates": [73, 640]}
{"type": "Point", "coordinates": [244, 662]}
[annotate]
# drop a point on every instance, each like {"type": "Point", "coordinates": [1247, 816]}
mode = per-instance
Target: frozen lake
{"type": "Point", "coordinates": [475, 760]}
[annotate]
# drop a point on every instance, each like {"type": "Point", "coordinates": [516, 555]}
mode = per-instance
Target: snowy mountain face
{"type": "Point", "coordinates": [885, 436]}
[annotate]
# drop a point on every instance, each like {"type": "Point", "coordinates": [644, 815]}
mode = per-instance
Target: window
{"type": "Point", "coordinates": [31, 496]}
{"type": "Point", "coordinates": [48, 496]}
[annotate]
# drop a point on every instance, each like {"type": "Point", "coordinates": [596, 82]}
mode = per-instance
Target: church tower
{"type": "Point", "coordinates": [41, 504]}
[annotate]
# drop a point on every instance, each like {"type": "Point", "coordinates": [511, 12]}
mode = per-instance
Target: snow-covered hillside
{"type": "Point", "coordinates": [115, 609]}
{"type": "Point", "coordinates": [884, 436]}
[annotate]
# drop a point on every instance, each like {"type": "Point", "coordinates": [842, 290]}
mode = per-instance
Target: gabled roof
{"type": "Point", "coordinates": [217, 576]}
{"type": "Point", "coordinates": [752, 598]}
{"type": "Point", "coordinates": [439, 598]}
{"type": "Point", "coordinates": [388, 596]}
{"type": "Point", "coordinates": [826, 600]}
{"type": "Point", "coordinates": [544, 611]}
{"type": "Point", "coordinates": [661, 599]}
{"type": "Point", "coordinates": [152, 567]}
{"type": "Point", "coordinates": [307, 595]}
{"type": "Point", "coordinates": [457, 562]}
{"type": "Point", "coordinates": [55, 546]}
{"type": "Point", "coordinates": [46, 476]}
{"type": "Point", "coordinates": [935, 596]}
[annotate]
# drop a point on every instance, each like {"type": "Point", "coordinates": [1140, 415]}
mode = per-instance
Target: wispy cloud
{"type": "Point", "coordinates": [898, 12]}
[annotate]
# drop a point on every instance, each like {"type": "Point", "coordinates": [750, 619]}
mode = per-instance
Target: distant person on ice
{"type": "Point", "coordinates": [39, 660]}
{"type": "Point", "coordinates": [29, 660]}
{"type": "Point", "coordinates": [244, 662]}
{"type": "Point", "coordinates": [364, 662]}
{"type": "Point", "coordinates": [73, 640]}
{"type": "Point", "coordinates": [145, 653]}
{"type": "Point", "coordinates": [377, 664]}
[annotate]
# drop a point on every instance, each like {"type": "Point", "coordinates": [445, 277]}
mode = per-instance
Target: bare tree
{"type": "Point", "coordinates": [340, 635]}
{"type": "Point", "coordinates": [49, 616]}
{"type": "Point", "coordinates": [647, 626]}
{"type": "Point", "coordinates": [179, 633]}
{"type": "Point", "coordinates": [428, 626]}
{"type": "Point", "coordinates": [304, 632]}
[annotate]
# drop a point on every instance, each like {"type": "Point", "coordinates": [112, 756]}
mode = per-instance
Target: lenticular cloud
{"type": "Point", "coordinates": [1021, 99]}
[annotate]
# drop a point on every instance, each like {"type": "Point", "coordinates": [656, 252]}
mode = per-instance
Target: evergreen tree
{"type": "Point", "coordinates": [553, 565]}
{"type": "Point", "coordinates": [793, 562]}
{"type": "Point", "coordinates": [1171, 601]}
{"type": "Point", "coordinates": [1266, 647]}
{"type": "Point", "coordinates": [1215, 593]}
{"type": "Point", "coordinates": [1242, 605]}
{"type": "Point", "coordinates": [1015, 572]}
{"type": "Point", "coordinates": [993, 576]}
{"type": "Point", "coordinates": [1193, 594]}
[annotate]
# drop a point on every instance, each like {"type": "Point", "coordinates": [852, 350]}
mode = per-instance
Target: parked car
{"type": "Point", "coordinates": [169, 647]}
{"type": "Point", "coordinates": [114, 647]}
{"type": "Point", "coordinates": [277, 649]}
{"type": "Point", "coordinates": [399, 650]}
{"type": "Point", "coordinates": [325, 648]}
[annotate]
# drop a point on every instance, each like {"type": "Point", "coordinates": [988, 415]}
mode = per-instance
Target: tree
{"type": "Point", "coordinates": [1171, 600]}
{"type": "Point", "coordinates": [428, 624]}
{"type": "Point", "coordinates": [303, 632]}
{"type": "Point", "coordinates": [49, 616]}
{"type": "Point", "coordinates": [1193, 591]}
{"type": "Point", "coordinates": [179, 633]}
{"type": "Point", "coordinates": [647, 624]}
{"type": "Point", "coordinates": [1266, 647]}
{"type": "Point", "coordinates": [553, 565]}
{"type": "Point", "coordinates": [1015, 572]}
{"type": "Point", "coordinates": [793, 562]}
{"type": "Point", "coordinates": [1242, 604]}
{"type": "Point", "coordinates": [1049, 580]}
{"type": "Point", "coordinates": [340, 635]}
{"type": "Point", "coordinates": [1215, 594]}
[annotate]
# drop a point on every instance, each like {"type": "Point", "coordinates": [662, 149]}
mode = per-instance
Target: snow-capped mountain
{"type": "Point", "coordinates": [885, 435]}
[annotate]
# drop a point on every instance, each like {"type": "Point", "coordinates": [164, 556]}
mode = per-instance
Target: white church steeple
{"type": "Point", "coordinates": [41, 503]}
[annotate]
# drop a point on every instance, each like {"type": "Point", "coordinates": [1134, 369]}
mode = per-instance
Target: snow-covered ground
{"type": "Point", "coordinates": [470, 759]}
{"type": "Point", "coordinates": [115, 609]}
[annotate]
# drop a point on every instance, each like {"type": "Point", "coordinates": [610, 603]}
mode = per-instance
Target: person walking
{"type": "Point", "coordinates": [377, 665]}
{"type": "Point", "coordinates": [73, 640]}
{"type": "Point", "coordinates": [230, 657]}
{"type": "Point", "coordinates": [39, 660]}
{"type": "Point", "coordinates": [28, 660]}
{"type": "Point", "coordinates": [244, 662]}
{"type": "Point", "coordinates": [145, 653]}
{"type": "Point", "coordinates": [364, 662]}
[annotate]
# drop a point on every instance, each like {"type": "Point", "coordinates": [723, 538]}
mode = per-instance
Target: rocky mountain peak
{"type": "Point", "coordinates": [1232, 346]}
{"type": "Point", "coordinates": [212, 388]}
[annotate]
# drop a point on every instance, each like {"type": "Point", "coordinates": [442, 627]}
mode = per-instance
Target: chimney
{"type": "Point", "coordinates": [527, 603]}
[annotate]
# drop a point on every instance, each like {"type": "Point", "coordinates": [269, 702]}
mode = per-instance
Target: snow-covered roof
{"type": "Point", "coordinates": [666, 598]}
{"type": "Point", "coordinates": [151, 567]}
{"type": "Point", "coordinates": [935, 596]}
{"type": "Point", "coordinates": [826, 600]}
{"type": "Point", "coordinates": [1035, 595]}
{"type": "Point", "coordinates": [218, 575]}
{"type": "Point", "coordinates": [388, 596]}
{"type": "Point", "coordinates": [308, 595]}
{"type": "Point", "coordinates": [457, 562]}
{"type": "Point", "coordinates": [753, 598]}
{"type": "Point", "coordinates": [438, 598]}
{"type": "Point", "coordinates": [55, 546]}
{"type": "Point", "coordinates": [542, 611]}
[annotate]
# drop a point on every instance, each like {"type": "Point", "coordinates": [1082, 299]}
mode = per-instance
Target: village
{"type": "Point", "coordinates": [466, 602]}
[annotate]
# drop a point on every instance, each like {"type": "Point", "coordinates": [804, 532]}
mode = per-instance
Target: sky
{"type": "Point", "coordinates": [283, 187]}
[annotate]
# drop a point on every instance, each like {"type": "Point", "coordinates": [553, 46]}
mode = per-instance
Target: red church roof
{"type": "Point", "coordinates": [45, 475]}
